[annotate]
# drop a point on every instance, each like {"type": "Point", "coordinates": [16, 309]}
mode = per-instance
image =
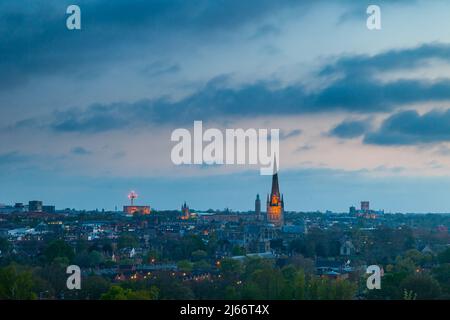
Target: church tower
{"type": "Point", "coordinates": [185, 213]}
{"type": "Point", "coordinates": [258, 208]}
{"type": "Point", "coordinates": [275, 202]}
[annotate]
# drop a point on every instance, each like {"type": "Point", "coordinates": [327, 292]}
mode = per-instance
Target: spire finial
{"type": "Point", "coordinates": [275, 168]}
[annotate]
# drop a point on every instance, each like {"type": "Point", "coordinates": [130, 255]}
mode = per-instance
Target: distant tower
{"type": "Point", "coordinates": [275, 202]}
{"type": "Point", "coordinates": [132, 195]}
{"type": "Point", "coordinates": [365, 206]}
{"type": "Point", "coordinates": [258, 208]}
{"type": "Point", "coordinates": [185, 213]}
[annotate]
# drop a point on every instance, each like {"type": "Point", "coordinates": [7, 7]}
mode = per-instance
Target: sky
{"type": "Point", "coordinates": [87, 115]}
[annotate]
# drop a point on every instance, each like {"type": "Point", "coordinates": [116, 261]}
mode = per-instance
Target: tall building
{"type": "Point", "coordinates": [258, 208]}
{"type": "Point", "coordinates": [35, 206]}
{"type": "Point", "coordinates": [365, 206]}
{"type": "Point", "coordinates": [275, 202]}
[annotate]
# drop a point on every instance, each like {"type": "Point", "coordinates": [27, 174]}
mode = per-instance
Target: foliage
{"type": "Point", "coordinates": [119, 293]}
{"type": "Point", "coordinates": [58, 249]}
{"type": "Point", "coordinates": [16, 283]}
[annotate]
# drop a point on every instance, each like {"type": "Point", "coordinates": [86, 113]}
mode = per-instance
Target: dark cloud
{"type": "Point", "coordinates": [305, 147]}
{"type": "Point", "coordinates": [349, 129]}
{"type": "Point", "coordinates": [258, 99]}
{"type": "Point", "coordinates": [97, 118]}
{"type": "Point", "coordinates": [361, 94]}
{"type": "Point", "coordinates": [12, 157]}
{"type": "Point", "coordinates": [388, 61]}
{"type": "Point", "coordinates": [160, 68]}
{"type": "Point", "coordinates": [353, 92]}
{"type": "Point", "coordinates": [289, 134]}
{"type": "Point", "coordinates": [409, 128]}
{"type": "Point", "coordinates": [80, 151]}
{"type": "Point", "coordinates": [35, 40]}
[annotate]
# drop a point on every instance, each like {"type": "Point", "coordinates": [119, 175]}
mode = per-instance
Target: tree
{"type": "Point", "coordinates": [238, 251]}
{"type": "Point", "coordinates": [91, 259]}
{"type": "Point", "coordinates": [185, 265]}
{"type": "Point", "coordinates": [230, 268]}
{"type": "Point", "coordinates": [173, 289]}
{"type": "Point", "coordinates": [255, 263]}
{"type": "Point", "coordinates": [231, 293]}
{"type": "Point", "coordinates": [127, 241]}
{"type": "Point", "coordinates": [305, 264]}
{"type": "Point", "coordinates": [442, 275]}
{"type": "Point", "coordinates": [16, 284]}
{"type": "Point", "coordinates": [54, 274]}
{"type": "Point", "coordinates": [405, 264]}
{"type": "Point", "coordinates": [390, 288]}
{"type": "Point", "coordinates": [330, 289]}
{"type": "Point", "coordinates": [344, 290]}
{"type": "Point", "coordinates": [251, 291]}
{"type": "Point", "coordinates": [199, 255]}
{"type": "Point", "coordinates": [5, 246]}
{"type": "Point", "coordinates": [444, 256]}
{"type": "Point", "coordinates": [93, 287]}
{"type": "Point", "coordinates": [424, 286]}
{"type": "Point", "coordinates": [58, 248]}
{"type": "Point", "coordinates": [270, 283]}
{"type": "Point", "coordinates": [202, 265]}
{"type": "Point", "coordinates": [119, 293]}
{"type": "Point", "coordinates": [299, 285]}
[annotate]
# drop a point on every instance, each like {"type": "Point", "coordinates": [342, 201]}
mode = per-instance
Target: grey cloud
{"type": "Point", "coordinates": [356, 93]}
{"type": "Point", "coordinates": [80, 151]}
{"type": "Point", "coordinates": [305, 147]}
{"type": "Point", "coordinates": [410, 128]}
{"type": "Point", "coordinates": [349, 129]}
{"type": "Point", "coordinates": [160, 68]}
{"type": "Point", "coordinates": [289, 134]}
{"type": "Point", "coordinates": [389, 60]}
{"type": "Point", "coordinates": [35, 39]}
{"type": "Point", "coordinates": [12, 157]}
{"type": "Point", "coordinates": [250, 100]}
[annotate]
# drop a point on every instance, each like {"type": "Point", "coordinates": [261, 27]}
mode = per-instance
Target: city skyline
{"type": "Point", "coordinates": [146, 201]}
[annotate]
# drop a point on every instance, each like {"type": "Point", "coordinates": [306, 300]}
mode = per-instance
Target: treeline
{"type": "Point", "coordinates": [255, 279]}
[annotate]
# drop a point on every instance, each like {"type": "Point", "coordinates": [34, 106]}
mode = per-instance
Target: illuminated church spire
{"type": "Point", "coordinates": [275, 203]}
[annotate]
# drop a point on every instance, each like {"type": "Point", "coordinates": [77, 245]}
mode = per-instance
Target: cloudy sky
{"type": "Point", "coordinates": [86, 115]}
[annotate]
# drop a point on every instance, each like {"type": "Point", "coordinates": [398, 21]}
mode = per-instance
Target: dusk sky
{"type": "Point", "coordinates": [87, 115]}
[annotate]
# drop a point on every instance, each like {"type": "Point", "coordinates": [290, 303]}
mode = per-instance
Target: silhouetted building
{"type": "Point", "coordinates": [19, 207]}
{"type": "Point", "coordinates": [258, 208]}
{"type": "Point", "coordinates": [365, 207]}
{"type": "Point", "coordinates": [35, 206]}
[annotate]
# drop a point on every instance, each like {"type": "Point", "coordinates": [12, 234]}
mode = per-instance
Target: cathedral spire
{"type": "Point", "coordinates": [275, 203]}
{"type": "Point", "coordinates": [275, 186]}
